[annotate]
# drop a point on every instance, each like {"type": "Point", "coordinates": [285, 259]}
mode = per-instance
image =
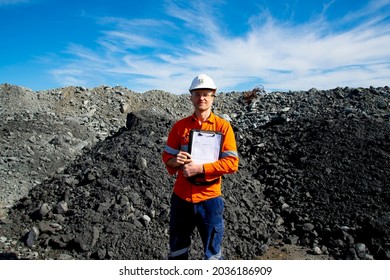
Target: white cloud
{"type": "Point", "coordinates": [7, 2]}
{"type": "Point", "coordinates": [279, 55]}
{"type": "Point", "coordinates": [12, 2]}
{"type": "Point", "coordinates": [69, 77]}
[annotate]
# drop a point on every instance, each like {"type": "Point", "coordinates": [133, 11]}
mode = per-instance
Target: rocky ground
{"type": "Point", "coordinates": [81, 175]}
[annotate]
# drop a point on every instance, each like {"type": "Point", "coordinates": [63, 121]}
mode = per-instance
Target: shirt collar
{"type": "Point", "coordinates": [210, 119]}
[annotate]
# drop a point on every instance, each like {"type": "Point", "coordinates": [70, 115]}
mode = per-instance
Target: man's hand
{"type": "Point", "coordinates": [180, 159]}
{"type": "Point", "coordinates": [191, 169]}
{"type": "Point", "coordinates": [183, 160]}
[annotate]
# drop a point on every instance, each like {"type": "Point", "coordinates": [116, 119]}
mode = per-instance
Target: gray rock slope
{"type": "Point", "coordinates": [81, 175]}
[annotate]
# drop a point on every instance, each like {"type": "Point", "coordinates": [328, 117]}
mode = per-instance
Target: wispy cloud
{"type": "Point", "coordinates": [12, 2]}
{"type": "Point", "coordinates": [166, 54]}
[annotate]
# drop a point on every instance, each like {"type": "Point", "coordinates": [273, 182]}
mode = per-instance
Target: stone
{"type": "Point", "coordinates": [308, 227]}
{"type": "Point", "coordinates": [142, 163]}
{"type": "Point", "coordinates": [317, 250]}
{"type": "Point", "coordinates": [45, 209]}
{"type": "Point", "coordinates": [146, 219]}
{"type": "Point", "coordinates": [62, 207]}
{"type": "Point", "coordinates": [32, 236]}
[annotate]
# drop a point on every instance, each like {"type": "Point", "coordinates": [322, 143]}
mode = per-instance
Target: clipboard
{"type": "Point", "coordinates": [205, 145]}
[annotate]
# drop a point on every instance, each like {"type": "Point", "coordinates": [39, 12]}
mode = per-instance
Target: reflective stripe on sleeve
{"type": "Point", "coordinates": [184, 148]}
{"type": "Point", "coordinates": [229, 153]}
{"type": "Point", "coordinates": [170, 150]}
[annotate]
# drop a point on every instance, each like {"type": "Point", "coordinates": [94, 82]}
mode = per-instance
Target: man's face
{"type": "Point", "coordinates": [202, 99]}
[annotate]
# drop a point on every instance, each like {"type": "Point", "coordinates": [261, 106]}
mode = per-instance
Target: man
{"type": "Point", "coordinates": [198, 203]}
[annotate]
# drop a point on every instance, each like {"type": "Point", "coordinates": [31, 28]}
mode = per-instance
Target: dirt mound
{"type": "Point", "coordinates": [314, 171]}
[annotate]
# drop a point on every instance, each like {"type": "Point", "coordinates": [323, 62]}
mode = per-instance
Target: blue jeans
{"type": "Point", "coordinates": [206, 216]}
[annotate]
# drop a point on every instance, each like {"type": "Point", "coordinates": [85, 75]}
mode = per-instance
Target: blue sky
{"type": "Point", "coordinates": [144, 45]}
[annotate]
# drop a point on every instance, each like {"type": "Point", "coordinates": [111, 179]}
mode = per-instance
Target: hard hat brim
{"type": "Point", "coordinates": [191, 89]}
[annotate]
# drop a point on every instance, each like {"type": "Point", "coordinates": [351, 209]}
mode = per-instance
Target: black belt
{"type": "Point", "coordinates": [199, 180]}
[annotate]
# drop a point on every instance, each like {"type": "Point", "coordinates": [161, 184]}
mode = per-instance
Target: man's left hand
{"type": "Point", "coordinates": [191, 169]}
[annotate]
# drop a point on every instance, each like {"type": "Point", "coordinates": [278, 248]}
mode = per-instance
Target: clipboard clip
{"type": "Point", "coordinates": [206, 134]}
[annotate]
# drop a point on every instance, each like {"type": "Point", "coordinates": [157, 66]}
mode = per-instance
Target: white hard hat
{"type": "Point", "coordinates": [202, 81]}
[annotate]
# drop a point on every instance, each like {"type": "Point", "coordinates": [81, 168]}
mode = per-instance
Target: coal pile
{"type": "Point", "coordinates": [314, 171]}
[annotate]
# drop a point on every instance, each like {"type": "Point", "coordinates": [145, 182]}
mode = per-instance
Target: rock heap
{"type": "Point", "coordinates": [81, 175]}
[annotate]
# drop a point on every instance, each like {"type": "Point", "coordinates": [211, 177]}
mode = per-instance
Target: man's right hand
{"type": "Point", "coordinates": [180, 159]}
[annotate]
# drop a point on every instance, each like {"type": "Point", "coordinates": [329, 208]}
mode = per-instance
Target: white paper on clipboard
{"type": "Point", "coordinates": [205, 146]}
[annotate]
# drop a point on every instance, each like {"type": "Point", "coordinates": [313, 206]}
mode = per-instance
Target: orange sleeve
{"type": "Point", "coordinates": [171, 149]}
{"type": "Point", "coordinates": [228, 163]}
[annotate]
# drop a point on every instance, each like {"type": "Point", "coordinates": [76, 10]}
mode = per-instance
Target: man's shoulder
{"type": "Point", "coordinates": [221, 120]}
{"type": "Point", "coordinates": [183, 121]}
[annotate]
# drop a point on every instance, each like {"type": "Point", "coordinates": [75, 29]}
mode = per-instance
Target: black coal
{"type": "Point", "coordinates": [314, 171]}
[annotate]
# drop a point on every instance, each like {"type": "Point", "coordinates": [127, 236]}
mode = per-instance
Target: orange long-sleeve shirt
{"type": "Point", "coordinates": [178, 140]}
